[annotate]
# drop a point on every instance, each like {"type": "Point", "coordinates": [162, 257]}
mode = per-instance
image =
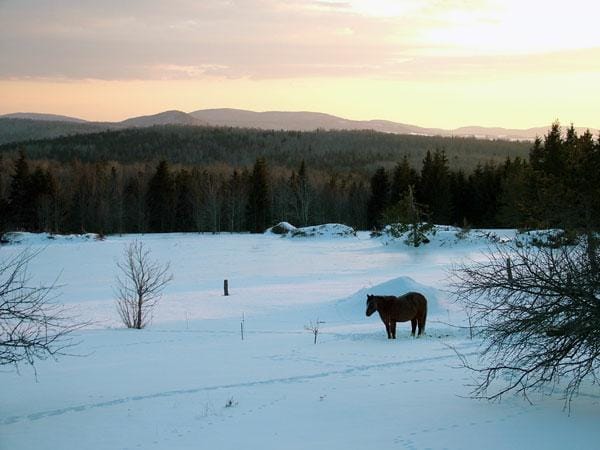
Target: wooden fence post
{"type": "Point", "coordinates": [509, 270]}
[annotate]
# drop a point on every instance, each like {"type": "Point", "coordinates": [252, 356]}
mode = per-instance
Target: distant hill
{"type": "Point", "coordinates": [20, 127]}
{"type": "Point", "coordinates": [43, 117]}
{"type": "Point", "coordinates": [304, 121]}
{"type": "Point", "coordinates": [42, 126]}
{"type": "Point", "coordinates": [307, 121]}
{"type": "Point", "coordinates": [18, 130]}
{"type": "Point", "coordinates": [164, 118]}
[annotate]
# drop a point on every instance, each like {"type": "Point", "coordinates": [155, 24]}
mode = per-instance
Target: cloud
{"type": "Point", "coordinates": [263, 39]}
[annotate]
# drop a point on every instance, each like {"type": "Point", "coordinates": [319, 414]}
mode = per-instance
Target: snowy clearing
{"type": "Point", "coordinates": [189, 381]}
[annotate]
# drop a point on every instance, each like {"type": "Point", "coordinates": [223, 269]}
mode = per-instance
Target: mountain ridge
{"type": "Point", "coordinates": [44, 125]}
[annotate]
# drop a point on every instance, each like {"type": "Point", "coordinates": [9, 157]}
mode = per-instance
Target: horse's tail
{"type": "Point", "coordinates": [424, 315]}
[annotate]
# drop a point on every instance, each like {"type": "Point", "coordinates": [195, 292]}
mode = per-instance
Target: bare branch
{"type": "Point", "coordinates": [139, 285]}
{"type": "Point", "coordinates": [540, 320]}
{"type": "Point", "coordinates": [32, 325]}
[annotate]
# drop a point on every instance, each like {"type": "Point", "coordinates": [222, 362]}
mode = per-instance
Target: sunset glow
{"type": "Point", "coordinates": [446, 64]}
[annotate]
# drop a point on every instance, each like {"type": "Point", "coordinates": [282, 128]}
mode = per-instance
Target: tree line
{"type": "Point", "coordinates": [555, 186]}
{"type": "Point", "coordinates": [339, 151]}
{"type": "Point", "coordinates": [110, 198]}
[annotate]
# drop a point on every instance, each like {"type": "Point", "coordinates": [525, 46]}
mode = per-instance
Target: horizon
{"type": "Point", "coordinates": [435, 65]}
{"type": "Point", "coordinates": [375, 119]}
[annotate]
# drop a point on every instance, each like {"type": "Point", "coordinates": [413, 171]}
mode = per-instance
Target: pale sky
{"type": "Point", "coordinates": [438, 63]}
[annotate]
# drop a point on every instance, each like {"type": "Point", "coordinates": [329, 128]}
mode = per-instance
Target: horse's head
{"type": "Point", "coordinates": [371, 304]}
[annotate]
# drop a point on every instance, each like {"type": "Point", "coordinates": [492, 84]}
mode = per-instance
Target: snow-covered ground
{"type": "Point", "coordinates": [188, 381]}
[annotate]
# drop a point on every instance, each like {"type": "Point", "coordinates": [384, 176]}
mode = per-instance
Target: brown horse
{"type": "Point", "coordinates": [411, 306]}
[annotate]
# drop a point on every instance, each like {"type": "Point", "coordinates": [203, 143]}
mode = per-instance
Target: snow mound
{"type": "Point", "coordinates": [354, 307]}
{"type": "Point", "coordinates": [328, 230]}
{"type": "Point", "coordinates": [25, 238]}
{"type": "Point", "coordinates": [282, 228]}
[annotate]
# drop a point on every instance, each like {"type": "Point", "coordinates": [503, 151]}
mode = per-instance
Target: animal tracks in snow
{"type": "Point", "coordinates": [353, 370]}
{"type": "Point", "coordinates": [415, 439]}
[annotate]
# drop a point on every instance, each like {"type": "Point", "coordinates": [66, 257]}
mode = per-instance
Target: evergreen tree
{"type": "Point", "coordinates": [134, 209]}
{"type": "Point", "coordinates": [115, 201]}
{"type": "Point", "coordinates": [407, 219]}
{"type": "Point", "coordinates": [404, 177]}
{"type": "Point", "coordinates": [184, 206]}
{"type": "Point", "coordinates": [461, 198]}
{"type": "Point", "coordinates": [211, 196]}
{"type": "Point", "coordinates": [380, 198]}
{"type": "Point", "coordinates": [514, 210]}
{"type": "Point", "coordinates": [160, 199]}
{"type": "Point", "coordinates": [303, 195]}
{"type": "Point", "coordinates": [258, 210]}
{"type": "Point", "coordinates": [21, 202]}
{"type": "Point", "coordinates": [357, 201]}
{"type": "Point", "coordinates": [43, 189]}
{"type": "Point", "coordinates": [484, 184]}
{"type": "Point", "coordinates": [433, 189]}
{"type": "Point", "coordinates": [234, 202]}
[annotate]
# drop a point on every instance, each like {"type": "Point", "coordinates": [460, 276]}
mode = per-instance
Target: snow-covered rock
{"type": "Point", "coordinates": [26, 238]}
{"type": "Point", "coordinates": [282, 228]}
{"type": "Point", "coordinates": [449, 236]}
{"type": "Point", "coordinates": [328, 230]}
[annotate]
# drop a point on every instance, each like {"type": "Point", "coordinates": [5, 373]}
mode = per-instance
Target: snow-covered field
{"type": "Point", "coordinates": [188, 381]}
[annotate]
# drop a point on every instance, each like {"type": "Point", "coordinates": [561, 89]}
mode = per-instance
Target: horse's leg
{"type": "Point", "coordinates": [413, 324]}
{"type": "Point", "coordinates": [388, 330]}
{"type": "Point", "coordinates": [422, 323]}
{"type": "Point", "coordinates": [393, 326]}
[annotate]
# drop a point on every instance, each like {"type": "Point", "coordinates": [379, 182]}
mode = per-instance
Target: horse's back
{"type": "Point", "coordinates": [415, 298]}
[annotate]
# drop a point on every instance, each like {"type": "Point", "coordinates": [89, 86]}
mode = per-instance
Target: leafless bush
{"type": "Point", "coordinates": [139, 285]}
{"type": "Point", "coordinates": [538, 312]}
{"type": "Point", "coordinates": [313, 327]}
{"type": "Point", "coordinates": [32, 325]}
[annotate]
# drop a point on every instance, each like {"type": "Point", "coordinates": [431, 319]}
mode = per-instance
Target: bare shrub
{"type": "Point", "coordinates": [139, 285]}
{"type": "Point", "coordinates": [32, 325]}
{"type": "Point", "coordinates": [314, 328]}
{"type": "Point", "coordinates": [538, 312]}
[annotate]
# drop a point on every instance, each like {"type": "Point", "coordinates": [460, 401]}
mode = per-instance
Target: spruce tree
{"type": "Point", "coordinates": [258, 211]}
{"type": "Point", "coordinates": [433, 189]}
{"type": "Point", "coordinates": [21, 202]}
{"type": "Point", "coordinates": [404, 176]}
{"type": "Point", "coordinates": [379, 199]}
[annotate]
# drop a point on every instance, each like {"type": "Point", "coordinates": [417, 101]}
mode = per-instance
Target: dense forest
{"type": "Point", "coordinates": [333, 151]}
{"type": "Point", "coordinates": [219, 179]}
